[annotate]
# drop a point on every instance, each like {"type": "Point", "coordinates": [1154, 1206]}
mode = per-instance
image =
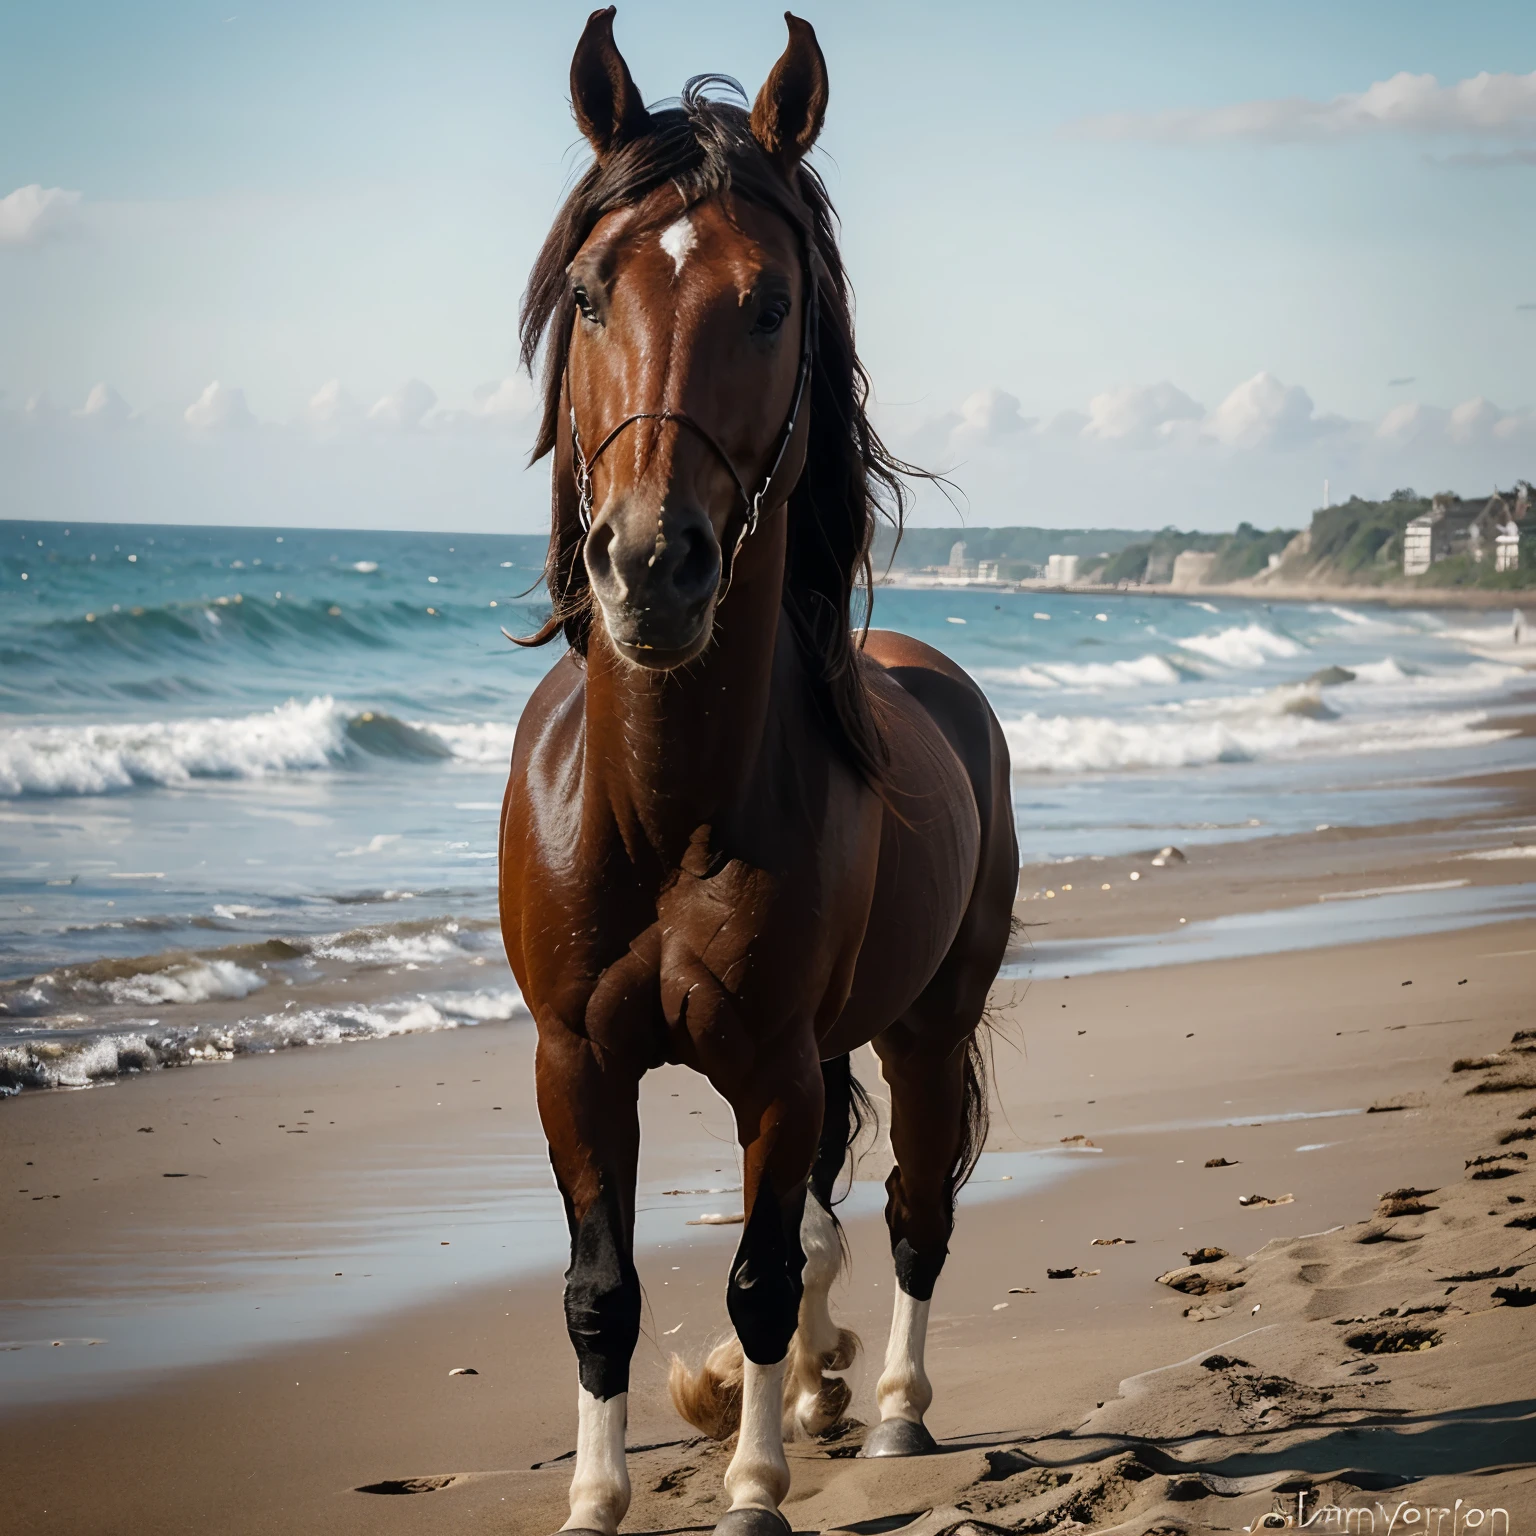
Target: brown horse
{"type": "Point", "coordinates": [735, 835]}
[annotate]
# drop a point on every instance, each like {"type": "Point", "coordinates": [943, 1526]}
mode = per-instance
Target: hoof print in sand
{"type": "Point", "coordinates": [1220, 1362]}
{"type": "Point", "coordinates": [1072, 1272]}
{"type": "Point", "coordinates": [1256, 1200]}
{"type": "Point", "coordinates": [1404, 1202]}
{"type": "Point", "coordinates": [1193, 1281]}
{"type": "Point", "coordinates": [1207, 1312]}
{"type": "Point", "coordinates": [434, 1484]}
{"type": "Point", "coordinates": [1392, 1341]}
{"type": "Point", "coordinates": [1523, 1223]}
{"type": "Point", "coordinates": [1477, 1063]}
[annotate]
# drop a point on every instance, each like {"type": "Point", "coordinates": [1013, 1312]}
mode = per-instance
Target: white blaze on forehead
{"type": "Point", "coordinates": [677, 240]}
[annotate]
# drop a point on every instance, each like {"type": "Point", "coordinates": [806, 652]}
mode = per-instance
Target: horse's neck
{"type": "Point", "coordinates": [669, 752]}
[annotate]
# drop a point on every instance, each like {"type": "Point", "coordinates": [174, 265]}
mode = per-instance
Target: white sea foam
{"type": "Point", "coordinates": [79, 1060]}
{"type": "Point", "coordinates": [198, 981]}
{"type": "Point", "coordinates": [1387, 681]}
{"type": "Point", "coordinates": [96, 759]}
{"type": "Point", "coordinates": [390, 946]}
{"type": "Point", "coordinates": [487, 742]}
{"type": "Point", "coordinates": [1265, 731]}
{"type": "Point", "coordinates": [297, 736]}
{"type": "Point", "coordinates": [1134, 672]}
{"type": "Point", "coordinates": [1242, 646]}
{"type": "Point", "coordinates": [176, 981]}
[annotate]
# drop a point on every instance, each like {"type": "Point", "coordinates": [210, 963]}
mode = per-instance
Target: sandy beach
{"type": "Point", "coordinates": [1344, 1350]}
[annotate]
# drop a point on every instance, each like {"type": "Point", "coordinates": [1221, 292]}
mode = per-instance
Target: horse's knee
{"type": "Point", "coordinates": [920, 1224]}
{"type": "Point", "coordinates": [763, 1296]}
{"type": "Point", "coordinates": [602, 1300]}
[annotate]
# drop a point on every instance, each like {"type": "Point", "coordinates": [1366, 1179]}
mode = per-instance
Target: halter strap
{"type": "Point", "coordinates": [753, 503]}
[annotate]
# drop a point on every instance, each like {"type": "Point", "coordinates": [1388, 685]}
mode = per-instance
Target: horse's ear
{"type": "Point", "coordinates": [788, 112]}
{"type": "Point", "coordinates": [608, 108]}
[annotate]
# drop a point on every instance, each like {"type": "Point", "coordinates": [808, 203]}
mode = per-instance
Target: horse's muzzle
{"type": "Point", "coordinates": [655, 580]}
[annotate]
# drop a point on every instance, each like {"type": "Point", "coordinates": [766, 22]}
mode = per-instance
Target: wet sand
{"type": "Point", "coordinates": [1268, 1061]}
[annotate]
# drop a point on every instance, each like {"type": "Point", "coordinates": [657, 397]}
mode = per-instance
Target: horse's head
{"type": "Point", "coordinates": [686, 372]}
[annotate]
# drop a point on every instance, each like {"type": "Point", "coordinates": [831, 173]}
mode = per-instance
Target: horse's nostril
{"type": "Point", "coordinates": [698, 569]}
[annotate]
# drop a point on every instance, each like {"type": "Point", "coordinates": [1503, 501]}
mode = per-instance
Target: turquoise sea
{"type": "Point", "coordinates": [249, 778]}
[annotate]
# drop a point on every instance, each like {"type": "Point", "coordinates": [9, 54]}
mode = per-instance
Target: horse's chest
{"type": "Point", "coordinates": [726, 962]}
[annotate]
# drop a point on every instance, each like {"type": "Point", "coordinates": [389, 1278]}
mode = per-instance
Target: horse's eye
{"type": "Point", "coordinates": [772, 317]}
{"type": "Point", "coordinates": [585, 305]}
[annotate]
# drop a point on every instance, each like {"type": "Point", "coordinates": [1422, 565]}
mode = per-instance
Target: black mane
{"type": "Point", "coordinates": [704, 147]}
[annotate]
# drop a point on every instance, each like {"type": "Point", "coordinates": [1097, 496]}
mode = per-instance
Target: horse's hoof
{"type": "Point", "coordinates": [898, 1437]}
{"type": "Point", "coordinates": [753, 1522]}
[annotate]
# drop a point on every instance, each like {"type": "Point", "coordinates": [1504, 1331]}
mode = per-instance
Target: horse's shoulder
{"type": "Point", "coordinates": [551, 719]}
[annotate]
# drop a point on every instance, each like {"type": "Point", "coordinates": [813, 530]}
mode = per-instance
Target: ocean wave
{"type": "Point", "coordinates": [147, 981]}
{"type": "Point", "coordinates": [1134, 672]}
{"type": "Point", "coordinates": [1243, 646]}
{"type": "Point", "coordinates": [173, 978]}
{"type": "Point", "coordinates": [79, 1059]}
{"type": "Point", "coordinates": [305, 736]}
{"type": "Point", "coordinates": [413, 943]}
{"type": "Point", "coordinates": [1279, 728]}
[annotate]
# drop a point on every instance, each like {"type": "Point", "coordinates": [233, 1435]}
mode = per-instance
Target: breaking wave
{"type": "Point", "coordinates": [294, 737]}
{"type": "Point", "coordinates": [1280, 728]}
{"type": "Point", "coordinates": [1134, 672]}
{"type": "Point", "coordinates": [1242, 646]}
{"type": "Point", "coordinates": [64, 1059]}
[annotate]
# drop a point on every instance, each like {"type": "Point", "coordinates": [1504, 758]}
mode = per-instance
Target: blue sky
{"type": "Point", "coordinates": [1115, 262]}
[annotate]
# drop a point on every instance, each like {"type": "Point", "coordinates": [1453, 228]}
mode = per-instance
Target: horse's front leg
{"type": "Point", "coordinates": [589, 1107]}
{"type": "Point", "coordinates": [778, 1117]}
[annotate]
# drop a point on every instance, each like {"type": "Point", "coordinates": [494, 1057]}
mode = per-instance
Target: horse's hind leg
{"type": "Point", "coordinates": [938, 1109]}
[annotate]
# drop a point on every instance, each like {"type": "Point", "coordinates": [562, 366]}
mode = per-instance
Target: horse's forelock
{"type": "Point", "coordinates": [704, 147]}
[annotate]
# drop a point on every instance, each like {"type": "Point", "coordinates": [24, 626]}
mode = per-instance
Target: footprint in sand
{"type": "Point", "coordinates": [430, 1484]}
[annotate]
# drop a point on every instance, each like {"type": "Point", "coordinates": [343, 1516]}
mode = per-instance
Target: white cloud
{"type": "Point", "coordinates": [32, 214]}
{"type": "Point", "coordinates": [1411, 422]}
{"type": "Point", "coordinates": [505, 401]}
{"type": "Point", "coordinates": [1485, 105]}
{"type": "Point", "coordinates": [105, 407]}
{"type": "Point", "coordinates": [1262, 411]}
{"type": "Point", "coordinates": [1144, 414]}
{"type": "Point", "coordinates": [217, 408]}
{"type": "Point", "coordinates": [330, 408]}
{"type": "Point", "coordinates": [404, 409]}
{"type": "Point", "coordinates": [988, 416]}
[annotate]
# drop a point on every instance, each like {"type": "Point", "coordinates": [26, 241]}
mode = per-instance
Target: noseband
{"type": "Point", "coordinates": [753, 503]}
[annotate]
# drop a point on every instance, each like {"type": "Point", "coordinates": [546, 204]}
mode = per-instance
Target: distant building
{"type": "Point", "coordinates": [959, 568]}
{"type": "Point", "coordinates": [1419, 543]}
{"type": "Point", "coordinates": [1453, 526]}
{"type": "Point", "coordinates": [1062, 569]}
{"type": "Point", "coordinates": [1506, 547]}
{"type": "Point", "coordinates": [989, 570]}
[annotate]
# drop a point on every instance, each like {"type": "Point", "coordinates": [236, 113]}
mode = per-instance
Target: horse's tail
{"type": "Point", "coordinates": [710, 1397]}
{"type": "Point", "coordinates": [975, 1113]}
